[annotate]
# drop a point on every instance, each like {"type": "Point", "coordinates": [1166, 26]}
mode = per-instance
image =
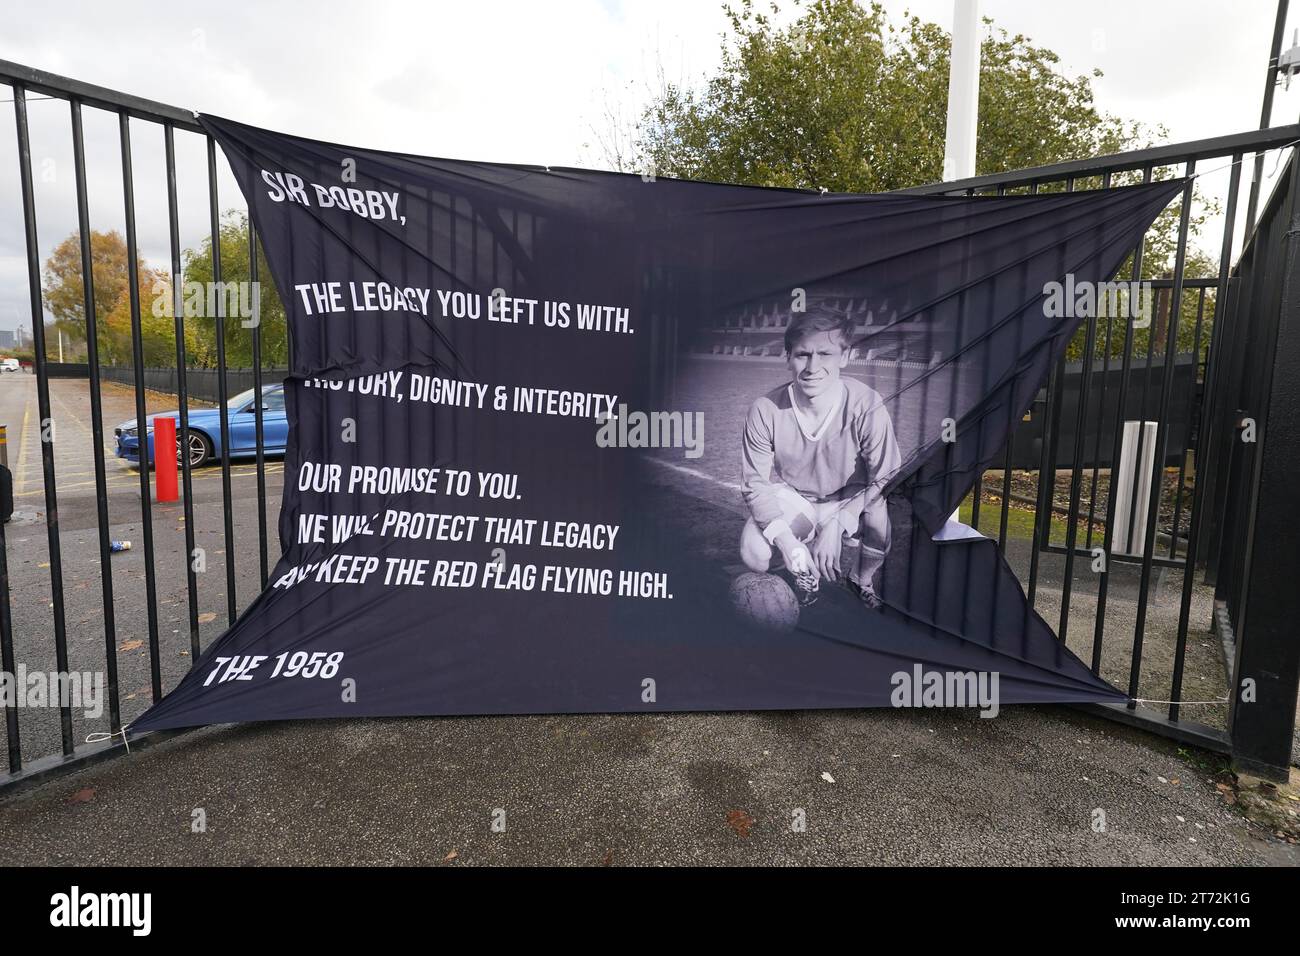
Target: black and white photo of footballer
{"type": "Point", "coordinates": [816, 455]}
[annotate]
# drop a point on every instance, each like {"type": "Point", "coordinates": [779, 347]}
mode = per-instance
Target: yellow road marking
{"type": "Point", "coordinates": [126, 476]}
{"type": "Point", "coordinates": [21, 473]}
{"type": "Point", "coordinates": [133, 478]}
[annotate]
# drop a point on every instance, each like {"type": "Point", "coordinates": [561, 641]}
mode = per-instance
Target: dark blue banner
{"type": "Point", "coordinates": [572, 441]}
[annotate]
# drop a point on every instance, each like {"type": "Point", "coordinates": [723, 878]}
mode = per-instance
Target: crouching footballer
{"type": "Point", "coordinates": [816, 454]}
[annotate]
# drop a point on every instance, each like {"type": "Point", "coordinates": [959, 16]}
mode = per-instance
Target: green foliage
{"type": "Point", "coordinates": [197, 265]}
{"type": "Point", "coordinates": [157, 330]}
{"type": "Point", "coordinates": [64, 298]}
{"type": "Point", "coordinates": [844, 100]}
{"type": "Point", "coordinates": [1158, 263]}
{"type": "Point", "coordinates": [63, 290]}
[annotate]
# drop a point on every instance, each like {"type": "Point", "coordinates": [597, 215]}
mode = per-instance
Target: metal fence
{"type": "Point", "coordinates": [1252, 331]}
{"type": "Point", "coordinates": [1250, 509]}
{"type": "Point", "coordinates": [1078, 425]}
{"type": "Point", "coordinates": [129, 111]}
{"type": "Point", "coordinates": [203, 384]}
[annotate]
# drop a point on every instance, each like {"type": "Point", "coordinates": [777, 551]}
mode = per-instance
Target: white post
{"type": "Point", "coordinates": [963, 91]}
{"type": "Point", "coordinates": [1132, 477]}
{"type": "Point", "coordinates": [963, 102]}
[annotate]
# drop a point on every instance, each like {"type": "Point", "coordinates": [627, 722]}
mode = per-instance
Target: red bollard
{"type": "Point", "coordinates": [164, 458]}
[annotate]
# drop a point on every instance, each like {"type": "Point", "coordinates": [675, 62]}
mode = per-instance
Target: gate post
{"type": "Point", "coordinates": [1268, 642]}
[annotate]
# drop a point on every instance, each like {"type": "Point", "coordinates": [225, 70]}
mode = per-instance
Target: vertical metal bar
{"type": "Point", "coordinates": [96, 416]}
{"type": "Point", "coordinates": [1112, 486]}
{"type": "Point", "coordinates": [1101, 414]}
{"type": "Point", "coordinates": [1005, 509]}
{"type": "Point", "coordinates": [1051, 494]}
{"type": "Point", "coordinates": [1006, 497]}
{"type": "Point", "coordinates": [1047, 473]}
{"type": "Point", "coordinates": [1250, 312]}
{"type": "Point", "coordinates": [45, 423]}
{"type": "Point", "coordinates": [1212, 411]}
{"type": "Point", "coordinates": [1046, 467]}
{"type": "Point", "coordinates": [1042, 471]}
{"type": "Point", "coordinates": [257, 389]}
{"type": "Point", "coordinates": [1058, 411]}
{"type": "Point", "coordinates": [1162, 428]}
{"type": "Point", "coordinates": [182, 394]}
{"type": "Point", "coordinates": [1096, 445]}
{"type": "Point", "coordinates": [979, 477]}
{"type": "Point", "coordinates": [1076, 475]}
{"type": "Point", "coordinates": [1266, 113]}
{"type": "Point", "coordinates": [141, 417]}
{"type": "Point", "coordinates": [223, 411]}
{"type": "Point", "coordinates": [1187, 442]}
{"type": "Point", "coordinates": [1203, 442]}
{"type": "Point", "coordinates": [977, 487]}
{"type": "Point", "coordinates": [7, 658]}
{"type": "Point", "coordinates": [941, 555]}
{"type": "Point", "coordinates": [1076, 462]}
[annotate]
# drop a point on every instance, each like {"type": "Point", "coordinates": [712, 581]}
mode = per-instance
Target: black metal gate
{"type": "Point", "coordinates": [1230, 331]}
{"type": "Point", "coordinates": [1205, 364]}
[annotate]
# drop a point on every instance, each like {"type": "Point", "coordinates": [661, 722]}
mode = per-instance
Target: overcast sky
{"type": "Point", "coordinates": [510, 82]}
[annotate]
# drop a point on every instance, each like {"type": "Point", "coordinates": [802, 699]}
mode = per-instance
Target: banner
{"type": "Point", "coordinates": [572, 441]}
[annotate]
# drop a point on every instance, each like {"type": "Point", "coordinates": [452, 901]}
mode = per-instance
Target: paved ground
{"type": "Point", "coordinates": [908, 787]}
{"type": "Point", "coordinates": [938, 788]}
{"type": "Point", "coordinates": [29, 556]}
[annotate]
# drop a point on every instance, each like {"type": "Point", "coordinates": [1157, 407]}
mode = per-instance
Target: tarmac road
{"type": "Point", "coordinates": [883, 786]}
{"type": "Point", "coordinates": [74, 460]}
{"type": "Point", "coordinates": [31, 590]}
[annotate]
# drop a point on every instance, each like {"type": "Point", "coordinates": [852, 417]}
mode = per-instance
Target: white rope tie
{"type": "Point", "coordinates": [1181, 703]}
{"type": "Point", "coordinates": [99, 737]}
{"type": "Point", "coordinates": [1262, 152]}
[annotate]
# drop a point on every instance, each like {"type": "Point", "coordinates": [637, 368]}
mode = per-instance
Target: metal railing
{"type": "Point", "coordinates": [1216, 486]}
{"type": "Point", "coordinates": [128, 110]}
{"type": "Point", "coordinates": [1205, 438]}
{"type": "Point", "coordinates": [200, 383]}
{"type": "Point", "coordinates": [1251, 514]}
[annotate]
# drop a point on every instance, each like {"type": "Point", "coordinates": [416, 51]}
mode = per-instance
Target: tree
{"type": "Point", "coordinates": [65, 299]}
{"type": "Point", "coordinates": [844, 100]}
{"type": "Point", "coordinates": [273, 328]}
{"type": "Point", "coordinates": [157, 328]}
{"type": "Point", "coordinates": [64, 290]}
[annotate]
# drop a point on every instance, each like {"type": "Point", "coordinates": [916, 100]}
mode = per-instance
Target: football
{"type": "Point", "coordinates": [765, 600]}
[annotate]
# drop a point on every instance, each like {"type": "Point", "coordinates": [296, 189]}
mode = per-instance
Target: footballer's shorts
{"type": "Point", "coordinates": [804, 517]}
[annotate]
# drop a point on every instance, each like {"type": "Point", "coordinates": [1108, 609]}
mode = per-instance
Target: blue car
{"type": "Point", "coordinates": [205, 429]}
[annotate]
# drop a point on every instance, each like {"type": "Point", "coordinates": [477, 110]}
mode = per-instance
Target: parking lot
{"type": "Point", "coordinates": [29, 555]}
